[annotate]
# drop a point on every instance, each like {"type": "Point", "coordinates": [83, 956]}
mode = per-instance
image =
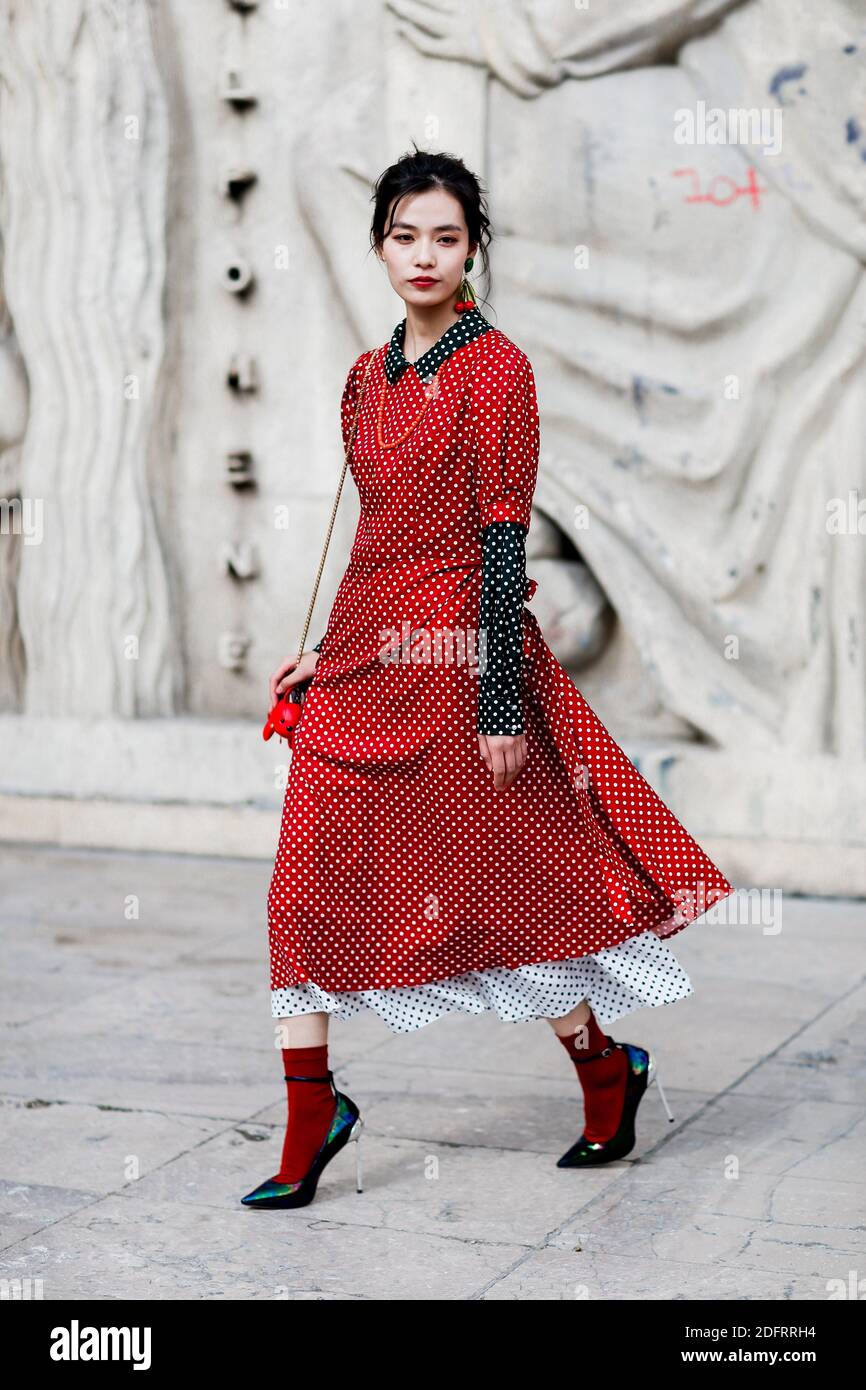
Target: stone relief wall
{"type": "Point", "coordinates": [84, 160]}
{"type": "Point", "coordinates": [184, 212]}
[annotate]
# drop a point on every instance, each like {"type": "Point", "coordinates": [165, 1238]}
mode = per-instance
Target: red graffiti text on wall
{"type": "Point", "coordinates": [722, 190]}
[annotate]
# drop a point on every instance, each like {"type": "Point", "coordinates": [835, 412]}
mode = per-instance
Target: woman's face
{"type": "Point", "coordinates": [426, 246]}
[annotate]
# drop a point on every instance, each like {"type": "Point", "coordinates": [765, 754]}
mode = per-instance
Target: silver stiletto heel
{"type": "Point", "coordinates": [356, 1135]}
{"type": "Point", "coordinates": [652, 1076]}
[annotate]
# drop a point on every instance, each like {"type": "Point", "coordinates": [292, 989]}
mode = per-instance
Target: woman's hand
{"type": "Point", "coordinates": [292, 672]}
{"type": "Point", "coordinates": [505, 755]}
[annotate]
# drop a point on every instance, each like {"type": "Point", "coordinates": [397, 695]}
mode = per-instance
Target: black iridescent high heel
{"type": "Point", "coordinates": [640, 1075]}
{"type": "Point", "coordinates": [345, 1126]}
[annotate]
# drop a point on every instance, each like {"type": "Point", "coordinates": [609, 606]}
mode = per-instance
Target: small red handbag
{"type": "Point", "coordinates": [286, 713]}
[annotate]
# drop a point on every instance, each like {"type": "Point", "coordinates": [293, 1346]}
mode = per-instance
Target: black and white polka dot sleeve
{"type": "Point", "coordinates": [505, 467]}
{"type": "Point", "coordinates": [503, 585]}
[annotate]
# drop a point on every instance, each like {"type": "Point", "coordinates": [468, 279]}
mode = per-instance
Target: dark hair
{"type": "Point", "coordinates": [422, 169]}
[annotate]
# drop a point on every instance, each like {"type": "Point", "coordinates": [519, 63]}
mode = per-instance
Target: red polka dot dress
{"type": "Point", "coordinates": [404, 882]}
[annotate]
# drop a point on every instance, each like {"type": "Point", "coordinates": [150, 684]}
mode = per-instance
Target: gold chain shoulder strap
{"type": "Point", "coordinates": [336, 504]}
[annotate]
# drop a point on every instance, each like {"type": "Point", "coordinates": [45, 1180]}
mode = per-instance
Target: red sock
{"type": "Point", "coordinates": [602, 1080]}
{"type": "Point", "coordinates": [311, 1109]}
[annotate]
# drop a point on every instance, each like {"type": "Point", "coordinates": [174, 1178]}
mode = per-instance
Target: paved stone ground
{"type": "Point", "coordinates": [148, 1041]}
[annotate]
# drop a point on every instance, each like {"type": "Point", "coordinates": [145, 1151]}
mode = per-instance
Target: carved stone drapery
{"type": "Point", "coordinates": [84, 149]}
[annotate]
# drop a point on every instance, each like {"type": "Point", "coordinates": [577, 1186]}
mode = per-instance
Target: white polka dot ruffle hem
{"type": "Point", "coordinates": [642, 972]}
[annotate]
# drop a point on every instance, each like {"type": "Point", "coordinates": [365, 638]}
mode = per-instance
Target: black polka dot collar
{"type": "Point", "coordinates": [470, 324]}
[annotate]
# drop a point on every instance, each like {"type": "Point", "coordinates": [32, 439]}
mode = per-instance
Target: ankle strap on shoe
{"type": "Point", "coordinates": [606, 1053]}
{"type": "Point", "coordinates": [310, 1078]}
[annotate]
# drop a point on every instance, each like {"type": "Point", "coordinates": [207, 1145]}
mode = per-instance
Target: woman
{"type": "Point", "coordinates": [459, 831]}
